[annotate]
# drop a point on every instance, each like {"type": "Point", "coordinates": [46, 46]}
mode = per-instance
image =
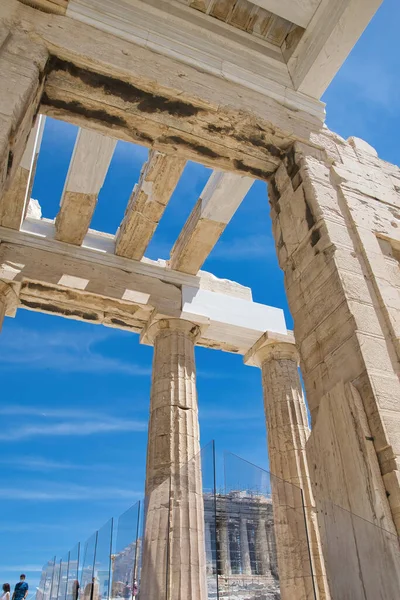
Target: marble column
{"type": "Point", "coordinates": [223, 550]}
{"type": "Point", "coordinates": [244, 547]}
{"type": "Point", "coordinates": [174, 561]}
{"type": "Point", "coordinates": [262, 547]}
{"type": "Point", "coordinates": [287, 432]}
{"type": "Point", "coordinates": [208, 541]}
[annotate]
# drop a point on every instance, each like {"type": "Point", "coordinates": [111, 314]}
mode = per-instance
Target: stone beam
{"type": "Point", "coordinates": [103, 82]}
{"type": "Point", "coordinates": [158, 179]}
{"type": "Point", "coordinates": [14, 203]}
{"type": "Point", "coordinates": [216, 206]}
{"type": "Point", "coordinates": [327, 41]}
{"type": "Point", "coordinates": [299, 12]}
{"type": "Point", "coordinates": [79, 282]}
{"type": "Point", "coordinates": [87, 170]}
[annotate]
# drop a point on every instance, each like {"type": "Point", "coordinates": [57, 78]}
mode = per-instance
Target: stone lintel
{"type": "Point", "coordinates": [270, 346]}
{"type": "Point", "coordinates": [154, 327]}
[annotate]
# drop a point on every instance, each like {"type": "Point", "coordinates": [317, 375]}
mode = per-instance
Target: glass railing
{"type": "Point", "coordinates": [229, 533]}
{"type": "Point", "coordinates": [126, 554]}
{"type": "Point", "coordinates": [72, 591]}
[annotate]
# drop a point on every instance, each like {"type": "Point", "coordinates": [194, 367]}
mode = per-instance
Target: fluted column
{"type": "Point", "coordinates": [288, 430]}
{"type": "Point", "coordinates": [209, 553]}
{"type": "Point", "coordinates": [174, 562]}
{"type": "Point", "coordinates": [223, 551]}
{"type": "Point", "coordinates": [244, 547]}
{"type": "Point", "coordinates": [262, 547]}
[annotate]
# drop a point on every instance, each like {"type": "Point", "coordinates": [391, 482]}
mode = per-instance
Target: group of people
{"type": "Point", "coordinates": [20, 590]}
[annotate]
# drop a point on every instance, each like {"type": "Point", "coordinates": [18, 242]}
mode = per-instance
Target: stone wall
{"type": "Point", "coordinates": [336, 214]}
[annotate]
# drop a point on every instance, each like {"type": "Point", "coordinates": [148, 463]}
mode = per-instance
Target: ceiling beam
{"type": "Point", "coordinates": [216, 206]}
{"type": "Point", "coordinates": [91, 285]}
{"type": "Point", "coordinates": [158, 179]}
{"type": "Point", "coordinates": [14, 202]}
{"type": "Point", "coordinates": [100, 81]}
{"type": "Point", "coordinates": [87, 170]}
{"type": "Point", "coordinates": [327, 41]}
{"type": "Point", "coordinates": [298, 12]}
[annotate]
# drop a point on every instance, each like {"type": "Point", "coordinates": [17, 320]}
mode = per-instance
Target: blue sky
{"type": "Point", "coordinates": [76, 396]}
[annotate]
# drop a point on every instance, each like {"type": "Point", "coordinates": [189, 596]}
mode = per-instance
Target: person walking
{"type": "Point", "coordinates": [6, 592]}
{"type": "Point", "coordinates": [21, 589]}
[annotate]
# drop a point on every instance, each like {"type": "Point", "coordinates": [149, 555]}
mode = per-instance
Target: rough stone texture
{"type": "Point", "coordinates": [335, 218]}
{"type": "Point", "coordinates": [15, 202]}
{"type": "Point", "coordinates": [22, 63]}
{"type": "Point", "coordinates": [288, 431]}
{"type": "Point", "coordinates": [149, 199]}
{"type": "Point", "coordinates": [174, 561]}
{"type": "Point", "coordinates": [86, 174]}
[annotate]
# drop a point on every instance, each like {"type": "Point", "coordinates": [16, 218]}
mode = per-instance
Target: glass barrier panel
{"type": "Point", "coordinates": [125, 557]}
{"type": "Point", "coordinates": [62, 587]}
{"type": "Point", "coordinates": [262, 535]}
{"type": "Point", "coordinates": [87, 589]}
{"type": "Point", "coordinates": [42, 582]}
{"type": "Point", "coordinates": [102, 565]}
{"type": "Point", "coordinates": [362, 559]}
{"type": "Point", "coordinates": [155, 546]}
{"type": "Point", "coordinates": [208, 477]}
{"type": "Point", "coordinates": [49, 579]}
{"type": "Point", "coordinates": [55, 587]}
{"type": "Point", "coordinates": [43, 585]}
{"type": "Point", "coordinates": [72, 591]}
{"type": "Point", "coordinates": [140, 543]}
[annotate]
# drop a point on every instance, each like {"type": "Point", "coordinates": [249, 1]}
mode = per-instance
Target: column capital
{"type": "Point", "coordinates": [272, 346]}
{"type": "Point", "coordinates": [154, 328]}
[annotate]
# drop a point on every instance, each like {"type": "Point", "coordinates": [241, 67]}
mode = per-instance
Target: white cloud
{"type": "Point", "coordinates": [24, 569]}
{"type": "Point", "coordinates": [64, 422]}
{"type": "Point", "coordinates": [70, 492]}
{"type": "Point", "coordinates": [72, 428]}
{"type": "Point", "coordinates": [63, 351]}
{"type": "Point", "coordinates": [19, 527]}
{"type": "Point", "coordinates": [32, 463]}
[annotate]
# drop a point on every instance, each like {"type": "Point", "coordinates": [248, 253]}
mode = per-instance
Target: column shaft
{"type": "Point", "coordinates": [244, 547]}
{"type": "Point", "coordinates": [174, 563]}
{"type": "Point", "coordinates": [224, 555]}
{"type": "Point", "coordinates": [262, 547]}
{"type": "Point", "coordinates": [288, 431]}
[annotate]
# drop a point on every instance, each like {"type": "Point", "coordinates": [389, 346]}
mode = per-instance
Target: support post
{"type": "Point", "coordinates": [262, 547]}
{"type": "Point", "coordinates": [244, 547]}
{"type": "Point", "coordinates": [174, 561]}
{"type": "Point", "coordinates": [288, 430]}
{"type": "Point", "coordinates": [224, 555]}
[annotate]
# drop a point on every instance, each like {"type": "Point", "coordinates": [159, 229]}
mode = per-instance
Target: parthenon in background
{"type": "Point", "coordinates": [235, 86]}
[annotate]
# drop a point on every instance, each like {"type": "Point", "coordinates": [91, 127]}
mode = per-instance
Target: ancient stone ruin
{"type": "Point", "coordinates": [236, 86]}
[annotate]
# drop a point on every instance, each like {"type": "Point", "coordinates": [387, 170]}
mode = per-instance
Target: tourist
{"type": "Point", "coordinates": [135, 588]}
{"type": "Point", "coordinates": [21, 589]}
{"type": "Point", "coordinates": [6, 592]}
